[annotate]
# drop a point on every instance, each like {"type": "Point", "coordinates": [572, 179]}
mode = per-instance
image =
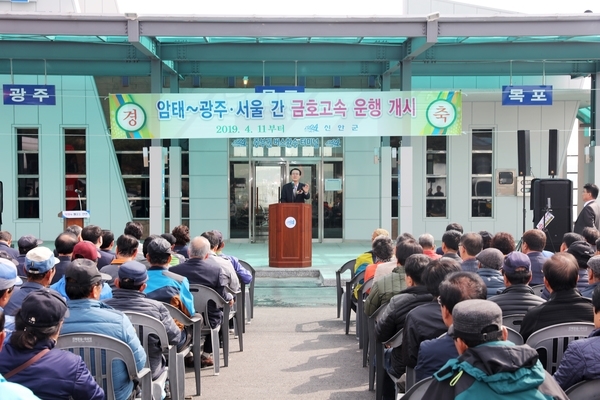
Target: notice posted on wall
{"type": "Point", "coordinates": [545, 221]}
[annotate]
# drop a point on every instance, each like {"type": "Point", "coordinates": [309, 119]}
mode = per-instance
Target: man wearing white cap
{"type": "Point", "coordinates": [39, 268]}
{"type": "Point", "coordinates": [8, 280]}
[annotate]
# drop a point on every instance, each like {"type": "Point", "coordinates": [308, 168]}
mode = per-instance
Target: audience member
{"type": "Point", "coordinates": [593, 277]}
{"type": "Point", "coordinates": [390, 285]}
{"type": "Point", "coordinates": [127, 249]}
{"type": "Point", "coordinates": [176, 258]}
{"type": "Point", "coordinates": [163, 284]}
{"type": "Point", "coordinates": [565, 303]}
{"type": "Point", "coordinates": [182, 238]}
{"type": "Point", "coordinates": [136, 229]}
{"type": "Point", "coordinates": [470, 245]}
{"type": "Point", "coordinates": [533, 243]}
{"type": "Point", "coordinates": [88, 314]}
{"type": "Point", "coordinates": [427, 242]}
{"type": "Point", "coordinates": [6, 244]}
{"type": "Point", "coordinates": [128, 295]}
{"type": "Point", "coordinates": [9, 390]}
{"type": "Point", "coordinates": [489, 367]}
{"type": "Point", "coordinates": [391, 320]}
{"type": "Point", "coordinates": [425, 322]}
{"type": "Point", "coordinates": [383, 250]}
{"type": "Point", "coordinates": [39, 268]}
{"type": "Point", "coordinates": [486, 239]}
{"type": "Point", "coordinates": [582, 252]}
{"type": "Point", "coordinates": [55, 374]}
{"type": "Point", "coordinates": [503, 241]}
{"type": "Point", "coordinates": [450, 245]}
{"type": "Point", "coordinates": [518, 297]}
{"type": "Point", "coordinates": [63, 248]}
{"type": "Point", "coordinates": [454, 226]}
{"type": "Point", "coordinates": [201, 269]}
{"type": "Point", "coordinates": [365, 259]}
{"type": "Point", "coordinates": [581, 360]}
{"type": "Point", "coordinates": [25, 244]}
{"type": "Point", "coordinates": [490, 261]}
{"type": "Point", "coordinates": [108, 242]}
{"type": "Point", "coordinates": [457, 287]}
{"type": "Point", "coordinates": [569, 238]}
{"type": "Point", "coordinates": [591, 235]}
{"type": "Point", "coordinates": [242, 273]}
{"type": "Point", "coordinates": [75, 230]}
{"type": "Point", "coordinates": [8, 280]}
{"type": "Point", "coordinates": [93, 234]}
{"type": "Point", "coordinates": [213, 239]}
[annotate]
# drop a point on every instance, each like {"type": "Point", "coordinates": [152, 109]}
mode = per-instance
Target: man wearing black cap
{"type": "Point", "coordinates": [565, 304]}
{"type": "Point", "coordinates": [128, 295]}
{"type": "Point", "coordinates": [488, 366]}
{"type": "Point", "coordinates": [88, 314]}
{"type": "Point", "coordinates": [490, 261]}
{"type": "Point", "coordinates": [518, 297]}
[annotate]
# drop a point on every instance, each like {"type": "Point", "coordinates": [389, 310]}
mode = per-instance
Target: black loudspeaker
{"type": "Point", "coordinates": [553, 152]}
{"type": "Point", "coordinates": [557, 196]}
{"type": "Point", "coordinates": [523, 152]}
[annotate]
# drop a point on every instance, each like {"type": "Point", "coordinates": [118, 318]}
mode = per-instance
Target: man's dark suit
{"type": "Point", "coordinates": [589, 216]}
{"type": "Point", "coordinates": [287, 193]}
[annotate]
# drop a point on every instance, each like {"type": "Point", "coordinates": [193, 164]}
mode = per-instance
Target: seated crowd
{"type": "Point", "coordinates": [449, 304]}
{"type": "Point", "coordinates": [84, 286]}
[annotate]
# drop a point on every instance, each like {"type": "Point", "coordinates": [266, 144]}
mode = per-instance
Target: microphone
{"type": "Point", "coordinates": [79, 192]}
{"type": "Point", "coordinates": [548, 205]}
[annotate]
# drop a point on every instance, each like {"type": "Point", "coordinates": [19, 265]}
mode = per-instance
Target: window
{"type": "Point", "coordinates": [28, 174]}
{"type": "Point", "coordinates": [481, 173]}
{"type": "Point", "coordinates": [436, 175]}
{"type": "Point", "coordinates": [75, 169]}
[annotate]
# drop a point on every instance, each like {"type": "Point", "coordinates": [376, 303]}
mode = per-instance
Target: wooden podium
{"type": "Point", "coordinates": [290, 235]}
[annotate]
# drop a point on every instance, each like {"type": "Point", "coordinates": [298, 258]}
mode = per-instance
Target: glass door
{"type": "Point", "coordinates": [266, 188]}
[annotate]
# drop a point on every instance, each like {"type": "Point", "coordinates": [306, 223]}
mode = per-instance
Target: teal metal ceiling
{"type": "Point", "coordinates": [433, 45]}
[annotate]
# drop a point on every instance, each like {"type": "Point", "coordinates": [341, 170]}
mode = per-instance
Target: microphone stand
{"type": "Point", "coordinates": [79, 197]}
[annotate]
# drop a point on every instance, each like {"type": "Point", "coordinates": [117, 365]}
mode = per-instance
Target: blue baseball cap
{"type": "Point", "coordinates": [8, 275]}
{"type": "Point", "coordinates": [40, 260]}
{"type": "Point", "coordinates": [134, 272]}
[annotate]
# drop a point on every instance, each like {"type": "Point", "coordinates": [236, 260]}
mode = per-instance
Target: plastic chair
{"type": "Point", "coordinates": [513, 321]}
{"type": "Point", "coordinates": [348, 294]}
{"type": "Point", "coordinates": [586, 390]}
{"type": "Point", "coordinates": [538, 289]}
{"type": "Point", "coordinates": [553, 340]}
{"type": "Point", "coordinates": [349, 265]}
{"type": "Point", "coordinates": [514, 336]}
{"type": "Point", "coordinates": [249, 306]}
{"type": "Point", "coordinates": [196, 322]}
{"type": "Point", "coordinates": [202, 295]}
{"type": "Point", "coordinates": [98, 352]}
{"type": "Point", "coordinates": [145, 326]}
{"type": "Point", "coordinates": [372, 344]}
{"type": "Point", "coordinates": [237, 317]}
{"type": "Point", "coordinates": [361, 319]}
{"type": "Point", "coordinates": [417, 391]}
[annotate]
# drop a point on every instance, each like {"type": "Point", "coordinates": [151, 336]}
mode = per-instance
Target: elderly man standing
{"type": "Point", "coordinates": [488, 366]}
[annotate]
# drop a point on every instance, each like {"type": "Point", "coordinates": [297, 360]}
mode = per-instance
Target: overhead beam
{"type": "Point", "coordinates": [281, 68]}
{"type": "Point", "coordinates": [417, 46]}
{"type": "Point", "coordinates": [29, 50]}
{"type": "Point", "coordinates": [500, 69]}
{"type": "Point", "coordinates": [66, 67]}
{"type": "Point", "coordinates": [62, 24]}
{"type": "Point", "coordinates": [269, 52]}
{"type": "Point", "coordinates": [146, 45]}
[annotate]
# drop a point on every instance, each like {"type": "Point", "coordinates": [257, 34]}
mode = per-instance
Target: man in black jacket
{"type": "Point", "coordinates": [518, 297]}
{"type": "Point", "coordinates": [295, 191]}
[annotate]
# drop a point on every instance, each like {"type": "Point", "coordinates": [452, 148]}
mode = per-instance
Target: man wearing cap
{"type": "Point", "coordinates": [8, 280]}
{"type": "Point", "coordinates": [5, 244]}
{"type": "Point", "coordinates": [490, 261]}
{"type": "Point", "coordinates": [8, 389]}
{"type": "Point", "coordinates": [518, 297]}
{"type": "Point", "coordinates": [25, 244]}
{"type": "Point", "coordinates": [39, 268]}
{"type": "Point", "coordinates": [565, 304]}
{"type": "Point", "coordinates": [83, 250]}
{"type": "Point", "coordinates": [532, 244]}
{"type": "Point", "coordinates": [471, 244]}
{"type": "Point", "coordinates": [593, 277]}
{"type": "Point", "coordinates": [57, 374]}
{"type": "Point", "coordinates": [63, 247]}
{"type": "Point", "coordinates": [201, 270]}
{"type": "Point", "coordinates": [457, 287]}
{"type": "Point", "coordinates": [164, 285]}
{"type": "Point", "coordinates": [489, 367]}
{"type": "Point", "coordinates": [128, 295]}
{"type": "Point", "coordinates": [88, 314]}
{"type": "Point", "coordinates": [582, 251]}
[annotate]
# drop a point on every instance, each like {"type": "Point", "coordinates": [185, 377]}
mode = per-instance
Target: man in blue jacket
{"type": "Point", "coordinates": [88, 314]}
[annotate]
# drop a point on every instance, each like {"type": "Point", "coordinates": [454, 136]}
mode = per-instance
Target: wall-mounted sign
{"type": "Point", "coordinates": [527, 95]}
{"type": "Point", "coordinates": [301, 115]}
{"type": "Point", "coordinates": [29, 95]}
{"type": "Point", "coordinates": [333, 185]}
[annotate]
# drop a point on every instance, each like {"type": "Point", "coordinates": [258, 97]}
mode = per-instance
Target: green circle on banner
{"type": "Point", "coordinates": [441, 114]}
{"type": "Point", "coordinates": [130, 117]}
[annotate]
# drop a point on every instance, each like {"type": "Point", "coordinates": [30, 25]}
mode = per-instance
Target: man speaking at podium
{"type": "Point", "coordinates": [295, 191]}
